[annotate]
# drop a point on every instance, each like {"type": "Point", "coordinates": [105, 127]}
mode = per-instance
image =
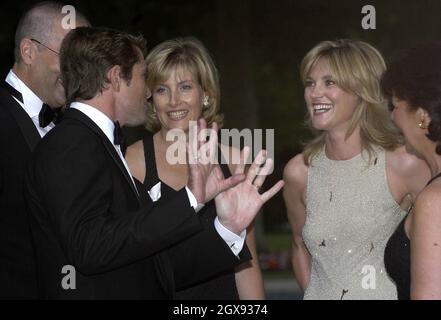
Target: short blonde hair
{"type": "Point", "coordinates": [357, 67]}
{"type": "Point", "coordinates": [188, 54]}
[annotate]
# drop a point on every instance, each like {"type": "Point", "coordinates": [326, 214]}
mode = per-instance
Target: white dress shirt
{"type": "Point", "coordinates": [32, 104]}
{"type": "Point", "coordinates": [107, 126]}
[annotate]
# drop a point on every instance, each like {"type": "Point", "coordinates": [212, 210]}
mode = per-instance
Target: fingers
{"type": "Point", "coordinates": [193, 144]}
{"type": "Point", "coordinates": [215, 127]}
{"type": "Point", "coordinates": [207, 153]}
{"type": "Point", "coordinates": [255, 166]}
{"type": "Point", "coordinates": [244, 154]}
{"type": "Point", "coordinates": [190, 153]}
{"type": "Point", "coordinates": [218, 172]}
{"type": "Point", "coordinates": [199, 149]}
{"type": "Point", "coordinates": [263, 173]}
{"type": "Point", "coordinates": [272, 192]}
{"type": "Point", "coordinates": [201, 134]}
{"type": "Point", "coordinates": [202, 126]}
{"type": "Point", "coordinates": [231, 182]}
{"type": "Point", "coordinates": [213, 143]}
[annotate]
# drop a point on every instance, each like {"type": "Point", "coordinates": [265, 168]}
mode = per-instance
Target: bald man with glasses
{"type": "Point", "coordinates": [29, 95]}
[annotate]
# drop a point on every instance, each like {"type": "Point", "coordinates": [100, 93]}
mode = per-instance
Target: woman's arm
{"type": "Point", "coordinates": [295, 176]}
{"type": "Point", "coordinates": [425, 235]}
{"type": "Point", "coordinates": [249, 279]}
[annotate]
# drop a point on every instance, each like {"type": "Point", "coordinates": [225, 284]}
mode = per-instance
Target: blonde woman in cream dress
{"type": "Point", "coordinates": [353, 183]}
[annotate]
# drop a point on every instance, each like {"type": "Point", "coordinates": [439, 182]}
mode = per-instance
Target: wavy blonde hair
{"type": "Point", "coordinates": [357, 67]}
{"type": "Point", "coordinates": [188, 54]}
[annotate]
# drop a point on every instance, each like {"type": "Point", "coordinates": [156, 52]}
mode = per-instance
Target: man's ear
{"type": "Point", "coordinates": [28, 50]}
{"type": "Point", "coordinates": [114, 77]}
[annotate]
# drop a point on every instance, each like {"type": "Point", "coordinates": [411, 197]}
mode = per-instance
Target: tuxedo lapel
{"type": "Point", "coordinates": [78, 115]}
{"type": "Point", "coordinates": [24, 122]}
{"type": "Point", "coordinates": [111, 149]}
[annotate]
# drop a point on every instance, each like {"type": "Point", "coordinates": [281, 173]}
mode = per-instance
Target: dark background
{"type": "Point", "coordinates": [257, 46]}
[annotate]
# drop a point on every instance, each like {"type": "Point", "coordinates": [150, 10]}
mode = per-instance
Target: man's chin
{"type": "Point", "coordinates": [59, 98]}
{"type": "Point", "coordinates": [56, 104]}
{"type": "Point", "coordinates": [135, 122]}
{"type": "Point", "coordinates": [60, 104]}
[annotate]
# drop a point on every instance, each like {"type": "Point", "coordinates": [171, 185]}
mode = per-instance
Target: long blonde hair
{"type": "Point", "coordinates": [357, 68]}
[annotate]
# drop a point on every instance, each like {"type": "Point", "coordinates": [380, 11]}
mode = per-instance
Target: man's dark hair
{"type": "Point", "coordinates": [88, 53]}
{"type": "Point", "coordinates": [38, 22]}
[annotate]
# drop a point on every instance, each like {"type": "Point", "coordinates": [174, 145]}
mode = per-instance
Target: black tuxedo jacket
{"type": "Point", "coordinates": [86, 212]}
{"type": "Point", "coordinates": [18, 137]}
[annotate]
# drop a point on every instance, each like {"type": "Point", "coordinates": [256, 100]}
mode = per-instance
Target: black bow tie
{"type": "Point", "coordinates": [48, 115]}
{"type": "Point", "coordinates": [119, 138]}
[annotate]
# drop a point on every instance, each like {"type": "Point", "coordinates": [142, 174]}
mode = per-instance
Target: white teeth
{"type": "Point", "coordinates": [319, 107]}
{"type": "Point", "coordinates": [177, 114]}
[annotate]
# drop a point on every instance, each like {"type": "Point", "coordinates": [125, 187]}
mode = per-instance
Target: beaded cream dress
{"type": "Point", "coordinates": [350, 216]}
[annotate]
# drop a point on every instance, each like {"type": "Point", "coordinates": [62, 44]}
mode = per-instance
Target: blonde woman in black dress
{"type": "Point", "coordinates": [185, 87]}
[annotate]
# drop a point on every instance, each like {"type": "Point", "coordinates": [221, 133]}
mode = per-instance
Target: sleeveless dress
{"type": "Point", "coordinates": [350, 215]}
{"type": "Point", "coordinates": [397, 258]}
{"type": "Point", "coordinates": [221, 287]}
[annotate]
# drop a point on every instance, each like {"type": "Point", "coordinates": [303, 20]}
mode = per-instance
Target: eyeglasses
{"type": "Point", "coordinates": [36, 41]}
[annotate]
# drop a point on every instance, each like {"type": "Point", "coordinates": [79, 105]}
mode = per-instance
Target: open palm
{"type": "Point", "coordinates": [206, 180]}
{"type": "Point", "coordinates": [237, 206]}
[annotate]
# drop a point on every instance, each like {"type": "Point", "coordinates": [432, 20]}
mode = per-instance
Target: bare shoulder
{"type": "Point", "coordinates": [134, 150]}
{"type": "Point", "coordinates": [407, 172]}
{"type": "Point", "coordinates": [135, 159]}
{"type": "Point", "coordinates": [405, 163]}
{"type": "Point", "coordinates": [428, 204]}
{"type": "Point", "coordinates": [296, 171]}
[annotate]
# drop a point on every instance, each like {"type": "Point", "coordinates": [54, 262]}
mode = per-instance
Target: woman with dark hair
{"type": "Point", "coordinates": [413, 253]}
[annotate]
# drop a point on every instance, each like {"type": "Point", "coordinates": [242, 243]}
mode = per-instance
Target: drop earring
{"type": "Point", "coordinates": [205, 103]}
{"type": "Point", "coordinates": [422, 125]}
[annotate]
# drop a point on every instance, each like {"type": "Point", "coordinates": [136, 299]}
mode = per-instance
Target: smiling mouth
{"type": "Point", "coordinates": [321, 108]}
{"type": "Point", "coordinates": [177, 115]}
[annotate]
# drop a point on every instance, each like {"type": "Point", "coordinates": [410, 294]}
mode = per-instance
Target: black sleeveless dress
{"type": "Point", "coordinates": [397, 258]}
{"type": "Point", "coordinates": [221, 287]}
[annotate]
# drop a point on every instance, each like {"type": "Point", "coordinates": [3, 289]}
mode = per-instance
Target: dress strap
{"type": "Point", "coordinates": [434, 178]}
{"type": "Point", "coordinates": [151, 172]}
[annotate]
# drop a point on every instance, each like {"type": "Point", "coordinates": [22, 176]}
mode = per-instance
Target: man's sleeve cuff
{"type": "Point", "coordinates": [234, 241]}
{"type": "Point", "coordinates": [193, 202]}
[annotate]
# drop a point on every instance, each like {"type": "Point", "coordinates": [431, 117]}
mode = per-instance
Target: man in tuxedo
{"type": "Point", "coordinates": [86, 211]}
{"type": "Point", "coordinates": [27, 95]}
